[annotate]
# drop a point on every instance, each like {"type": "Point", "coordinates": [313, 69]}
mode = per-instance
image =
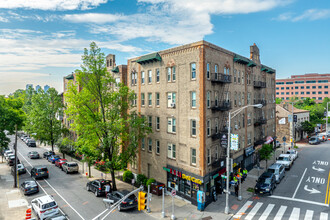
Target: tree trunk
{"type": "Point", "coordinates": [266, 164]}
{"type": "Point", "coordinates": [113, 178]}
{"type": "Point", "coordinates": [53, 146]}
{"type": "Point", "coordinates": [89, 170]}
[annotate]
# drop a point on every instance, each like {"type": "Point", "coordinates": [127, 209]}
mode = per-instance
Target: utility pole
{"type": "Point", "coordinates": [326, 126]}
{"type": "Point", "coordinates": [15, 165]}
{"type": "Point", "coordinates": [292, 143]}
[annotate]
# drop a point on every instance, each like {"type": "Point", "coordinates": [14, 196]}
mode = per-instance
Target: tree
{"type": "Point", "coordinates": [43, 116]}
{"type": "Point", "coordinates": [307, 127]}
{"type": "Point", "coordinates": [105, 125]}
{"type": "Point", "coordinates": [11, 115]}
{"type": "Point", "coordinates": [278, 101]}
{"type": "Point", "coordinates": [266, 152]}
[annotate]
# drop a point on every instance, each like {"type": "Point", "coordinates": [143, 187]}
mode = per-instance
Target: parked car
{"type": "Point", "coordinates": [26, 140]}
{"type": "Point", "coordinates": [60, 162]}
{"type": "Point", "coordinates": [321, 137]}
{"type": "Point", "coordinates": [129, 203]}
{"type": "Point", "coordinates": [314, 140]}
{"type": "Point", "coordinates": [29, 187]}
{"type": "Point", "coordinates": [33, 155]}
{"type": "Point", "coordinates": [293, 153]}
{"type": "Point", "coordinates": [20, 169]}
{"type": "Point", "coordinates": [97, 186]}
{"type": "Point", "coordinates": [266, 184]}
{"type": "Point", "coordinates": [23, 136]}
{"type": "Point", "coordinates": [58, 216]}
{"type": "Point", "coordinates": [278, 144]}
{"type": "Point", "coordinates": [8, 152]}
{"type": "Point", "coordinates": [11, 160]}
{"type": "Point", "coordinates": [44, 206]}
{"type": "Point", "coordinates": [286, 160]}
{"type": "Point", "coordinates": [53, 158]}
{"type": "Point", "coordinates": [39, 172]}
{"type": "Point", "coordinates": [70, 167]}
{"type": "Point", "coordinates": [47, 154]}
{"type": "Point", "coordinates": [31, 143]}
{"type": "Point", "coordinates": [278, 170]}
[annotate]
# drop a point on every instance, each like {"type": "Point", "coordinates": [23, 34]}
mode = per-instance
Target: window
{"type": "Point", "coordinates": [171, 125]}
{"type": "Point", "coordinates": [299, 82]}
{"type": "Point", "coordinates": [208, 127]}
{"type": "Point", "coordinates": [235, 98]}
{"type": "Point", "coordinates": [134, 100]}
{"type": "Point", "coordinates": [208, 71]}
{"type": "Point", "coordinates": [310, 81]}
{"type": "Point", "coordinates": [296, 93]}
{"type": "Point", "coordinates": [313, 92]}
{"type": "Point", "coordinates": [296, 87]}
{"type": "Point", "coordinates": [277, 93]}
{"type": "Point", "coordinates": [216, 125]}
{"type": "Point", "coordinates": [216, 152]}
{"type": "Point", "coordinates": [208, 97]}
{"type": "Point", "coordinates": [193, 99]}
{"type": "Point", "coordinates": [308, 93]}
{"type": "Point", "coordinates": [157, 75]}
{"type": "Point", "coordinates": [216, 71]}
{"type": "Point", "coordinates": [193, 127]}
{"type": "Point", "coordinates": [157, 123]}
{"type": "Point", "coordinates": [242, 77]}
{"type": "Point", "coordinates": [289, 83]}
{"type": "Point", "coordinates": [307, 87]}
{"type": "Point", "coordinates": [169, 75]}
{"type": "Point", "coordinates": [248, 98]}
{"type": "Point", "coordinates": [326, 92]}
{"type": "Point", "coordinates": [193, 156]}
{"type": "Point", "coordinates": [173, 73]}
{"type": "Point", "coordinates": [149, 76]}
{"type": "Point", "coordinates": [157, 98]}
{"type": "Point", "coordinates": [319, 98]}
{"type": "Point", "coordinates": [143, 143]}
{"type": "Point", "coordinates": [282, 88]}
{"type": "Point", "coordinates": [149, 144]}
{"type": "Point", "coordinates": [142, 77]}
{"type": "Point", "coordinates": [157, 147]}
{"type": "Point", "coordinates": [320, 87]}
{"type": "Point", "coordinates": [313, 87]}
{"type": "Point", "coordinates": [239, 99]}
{"type": "Point", "coordinates": [150, 121]}
{"type": "Point", "coordinates": [239, 77]}
{"type": "Point", "coordinates": [243, 99]}
{"type": "Point", "coordinates": [249, 119]}
{"type": "Point", "coordinates": [171, 151]}
{"type": "Point", "coordinates": [249, 139]}
{"type": "Point", "coordinates": [302, 93]}
{"type": "Point", "coordinates": [150, 99]}
{"type": "Point", "coordinates": [208, 156]}
{"type": "Point", "coordinates": [171, 99]}
{"type": "Point", "coordinates": [216, 98]}
{"type": "Point", "coordinates": [142, 99]}
{"type": "Point", "coordinates": [279, 83]}
{"type": "Point", "coordinates": [288, 93]}
{"type": "Point", "coordinates": [325, 87]}
{"type": "Point", "coordinates": [193, 70]}
{"type": "Point", "coordinates": [234, 76]}
{"type": "Point", "coordinates": [322, 81]}
{"type": "Point", "coordinates": [302, 87]}
{"type": "Point", "coordinates": [319, 92]}
{"type": "Point", "coordinates": [133, 78]}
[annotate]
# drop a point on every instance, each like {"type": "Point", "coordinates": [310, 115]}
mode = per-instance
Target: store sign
{"type": "Point", "coordinates": [224, 141]}
{"type": "Point", "coordinates": [281, 121]}
{"type": "Point", "coordinates": [192, 179]}
{"type": "Point", "coordinates": [234, 141]}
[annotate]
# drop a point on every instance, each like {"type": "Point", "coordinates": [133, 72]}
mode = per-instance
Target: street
{"type": "Point", "coordinates": [302, 194]}
{"type": "Point", "coordinates": [69, 190]}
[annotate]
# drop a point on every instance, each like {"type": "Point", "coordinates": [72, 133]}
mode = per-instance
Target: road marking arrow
{"type": "Point", "coordinates": [318, 169]}
{"type": "Point", "coordinates": [311, 191]}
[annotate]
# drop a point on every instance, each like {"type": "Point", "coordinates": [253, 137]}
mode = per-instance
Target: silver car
{"type": "Point", "coordinates": [70, 167]}
{"type": "Point", "coordinates": [278, 170]}
{"type": "Point", "coordinates": [314, 140]}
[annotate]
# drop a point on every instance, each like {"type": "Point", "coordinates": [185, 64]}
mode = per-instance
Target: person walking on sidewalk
{"type": "Point", "coordinates": [107, 190]}
{"type": "Point", "coordinates": [236, 189]}
{"type": "Point", "coordinates": [245, 172]}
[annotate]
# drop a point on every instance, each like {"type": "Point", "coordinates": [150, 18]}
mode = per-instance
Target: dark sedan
{"type": "Point", "coordinates": [20, 169]}
{"type": "Point", "coordinates": [97, 186]}
{"type": "Point", "coordinates": [11, 160]}
{"type": "Point", "coordinates": [33, 155]}
{"type": "Point", "coordinates": [53, 158]}
{"type": "Point", "coordinates": [29, 187]}
{"type": "Point", "coordinates": [128, 203]}
{"type": "Point", "coordinates": [48, 153]}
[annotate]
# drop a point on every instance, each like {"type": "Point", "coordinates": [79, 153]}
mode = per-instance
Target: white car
{"type": "Point", "coordinates": [286, 160]}
{"type": "Point", "coordinates": [9, 155]}
{"type": "Point", "coordinates": [8, 152]}
{"type": "Point", "coordinates": [44, 206]}
{"type": "Point", "coordinates": [293, 153]}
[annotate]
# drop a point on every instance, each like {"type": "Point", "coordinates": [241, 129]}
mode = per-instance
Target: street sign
{"type": "Point", "coordinates": [284, 139]}
{"type": "Point", "coordinates": [224, 141]}
{"type": "Point", "coordinates": [289, 118]}
{"type": "Point", "coordinates": [173, 193]}
{"type": "Point", "coordinates": [234, 141]}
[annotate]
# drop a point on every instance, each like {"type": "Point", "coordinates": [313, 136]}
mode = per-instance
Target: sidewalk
{"type": "Point", "coordinates": [13, 205]}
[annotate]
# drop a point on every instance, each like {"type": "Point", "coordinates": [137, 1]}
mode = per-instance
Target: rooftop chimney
{"type": "Point", "coordinates": [254, 53]}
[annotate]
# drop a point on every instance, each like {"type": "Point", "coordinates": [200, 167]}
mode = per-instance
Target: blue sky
{"type": "Point", "coordinates": [42, 40]}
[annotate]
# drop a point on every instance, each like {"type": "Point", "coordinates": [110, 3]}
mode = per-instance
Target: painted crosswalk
{"type": "Point", "coordinates": [260, 211]}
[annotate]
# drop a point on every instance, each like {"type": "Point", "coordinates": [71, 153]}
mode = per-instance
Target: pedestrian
{"type": "Point", "coordinates": [236, 190]}
{"type": "Point", "coordinates": [107, 190]}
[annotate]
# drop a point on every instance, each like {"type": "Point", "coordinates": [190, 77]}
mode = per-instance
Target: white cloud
{"type": "Point", "coordinates": [51, 4]}
{"type": "Point", "coordinates": [92, 18]}
{"type": "Point", "coordinates": [3, 19]}
{"type": "Point", "coordinates": [311, 14]}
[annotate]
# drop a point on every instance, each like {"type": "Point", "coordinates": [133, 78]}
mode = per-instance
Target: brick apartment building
{"type": "Point", "coordinates": [186, 93]}
{"type": "Point", "coordinates": [315, 86]}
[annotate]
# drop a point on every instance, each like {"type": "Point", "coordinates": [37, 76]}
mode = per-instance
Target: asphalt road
{"type": "Point", "coordinates": [69, 190]}
{"type": "Point", "coordinates": [302, 194]}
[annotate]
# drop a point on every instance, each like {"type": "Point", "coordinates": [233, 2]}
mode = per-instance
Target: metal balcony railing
{"type": "Point", "coordinates": [259, 84]}
{"type": "Point", "coordinates": [221, 105]}
{"type": "Point", "coordinates": [220, 78]}
{"type": "Point", "coordinates": [260, 121]}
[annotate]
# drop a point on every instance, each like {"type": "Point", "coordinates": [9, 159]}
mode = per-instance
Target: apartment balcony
{"type": "Point", "coordinates": [220, 78]}
{"type": "Point", "coordinates": [259, 141]}
{"type": "Point", "coordinates": [216, 162]}
{"type": "Point", "coordinates": [221, 105]}
{"type": "Point", "coordinates": [260, 121]}
{"type": "Point", "coordinates": [259, 84]}
{"type": "Point", "coordinates": [260, 101]}
{"type": "Point", "coordinates": [215, 134]}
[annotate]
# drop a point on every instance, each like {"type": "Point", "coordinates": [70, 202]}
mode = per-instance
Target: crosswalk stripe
{"type": "Point", "coordinates": [309, 215]}
{"type": "Point", "coordinates": [242, 210]}
{"type": "Point", "coordinates": [324, 216]}
{"type": "Point", "coordinates": [295, 214]}
{"type": "Point", "coordinates": [266, 212]}
{"type": "Point", "coordinates": [253, 211]}
{"type": "Point", "coordinates": [280, 212]}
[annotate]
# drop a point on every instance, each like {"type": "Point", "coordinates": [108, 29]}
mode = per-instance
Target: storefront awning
{"type": "Point", "coordinates": [153, 57]}
{"type": "Point", "coordinates": [249, 151]}
{"type": "Point", "coordinates": [269, 140]}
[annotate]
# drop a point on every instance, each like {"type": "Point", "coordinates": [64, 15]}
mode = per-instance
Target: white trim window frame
{"type": "Point", "coordinates": [193, 156]}
{"type": "Point", "coordinates": [171, 99]}
{"type": "Point", "coordinates": [171, 151]}
{"type": "Point", "coordinates": [193, 99]}
{"type": "Point", "coordinates": [171, 125]}
{"type": "Point", "coordinates": [149, 76]}
{"type": "Point", "coordinates": [142, 77]}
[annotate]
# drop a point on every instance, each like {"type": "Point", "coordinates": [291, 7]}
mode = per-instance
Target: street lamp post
{"type": "Point", "coordinates": [232, 115]}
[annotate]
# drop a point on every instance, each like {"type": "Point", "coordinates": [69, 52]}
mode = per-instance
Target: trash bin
{"type": "Point", "coordinates": [156, 188]}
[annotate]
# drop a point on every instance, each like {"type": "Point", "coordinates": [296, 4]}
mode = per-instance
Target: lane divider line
{"type": "Point", "coordinates": [326, 201]}
{"type": "Point", "coordinates": [56, 191]}
{"type": "Point", "coordinates": [295, 192]}
{"type": "Point", "coordinates": [329, 190]}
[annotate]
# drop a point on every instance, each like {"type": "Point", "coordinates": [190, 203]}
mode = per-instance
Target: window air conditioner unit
{"type": "Point", "coordinates": [236, 127]}
{"type": "Point", "coordinates": [173, 105]}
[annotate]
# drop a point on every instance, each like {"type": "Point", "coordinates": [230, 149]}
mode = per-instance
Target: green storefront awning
{"type": "Point", "coordinates": [267, 69]}
{"type": "Point", "coordinates": [252, 64]}
{"type": "Point", "coordinates": [70, 76]}
{"type": "Point", "coordinates": [153, 57]}
{"type": "Point", "coordinates": [240, 59]}
{"type": "Point", "coordinates": [115, 70]}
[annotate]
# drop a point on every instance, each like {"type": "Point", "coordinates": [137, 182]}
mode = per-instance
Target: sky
{"type": "Point", "coordinates": [41, 41]}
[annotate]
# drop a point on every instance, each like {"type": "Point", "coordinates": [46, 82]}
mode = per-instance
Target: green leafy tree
{"type": "Point", "coordinates": [278, 101]}
{"type": "Point", "coordinates": [307, 127]}
{"type": "Point", "coordinates": [265, 153]}
{"type": "Point", "coordinates": [101, 114]}
{"type": "Point", "coordinates": [11, 114]}
{"type": "Point", "coordinates": [43, 116]}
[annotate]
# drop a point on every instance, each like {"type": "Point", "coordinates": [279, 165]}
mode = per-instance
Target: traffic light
{"type": "Point", "coordinates": [142, 200]}
{"type": "Point", "coordinates": [295, 118]}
